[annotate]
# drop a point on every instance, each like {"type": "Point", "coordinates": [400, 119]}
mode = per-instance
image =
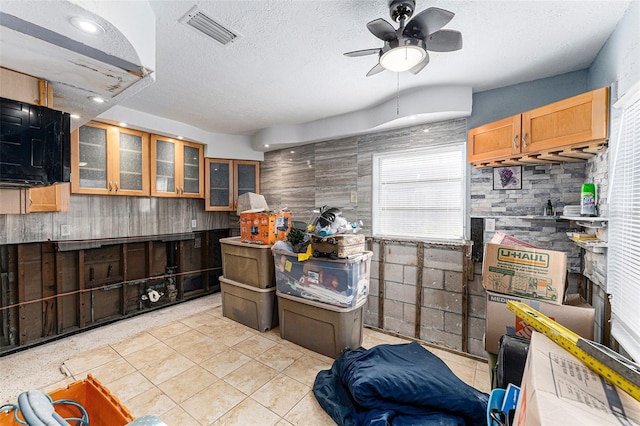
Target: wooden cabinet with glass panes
{"type": "Point", "coordinates": [109, 160]}
{"type": "Point", "coordinates": [226, 180]}
{"type": "Point", "coordinates": [176, 168]}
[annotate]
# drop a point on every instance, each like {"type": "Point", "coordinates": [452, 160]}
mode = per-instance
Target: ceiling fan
{"type": "Point", "coordinates": [405, 49]}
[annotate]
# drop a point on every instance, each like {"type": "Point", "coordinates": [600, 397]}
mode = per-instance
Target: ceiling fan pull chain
{"type": "Point", "coordinates": [398, 95]}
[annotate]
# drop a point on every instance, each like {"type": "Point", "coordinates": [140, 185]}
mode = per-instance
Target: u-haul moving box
{"type": "Point", "coordinates": [576, 315]}
{"type": "Point", "coordinates": [557, 388]}
{"type": "Point", "coordinates": [525, 271]}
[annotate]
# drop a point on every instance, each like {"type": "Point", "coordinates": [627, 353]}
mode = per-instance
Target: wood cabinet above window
{"type": "Point", "coordinates": [109, 160]}
{"type": "Point", "coordinates": [177, 168]}
{"type": "Point", "coordinates": [573, 129]}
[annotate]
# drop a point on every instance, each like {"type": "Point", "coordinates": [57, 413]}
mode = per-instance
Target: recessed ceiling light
{"type": "Point", "coordinates": [426, 130]}
{"type": "Point", "coordinates": [180, 137]}
{"type": "Point", "coordinates": [266, 145]}
{"type": "Point", "coordinates": [122, 124]}
{"type": "Point", "coordinates": [97, 99]}
{"type": "Point", "coordinates": [87, 25]}
{"type": "Point", "coordinates": [74, 116]}
{"type": "Point", "coordinates": [412, 117]}
{"type": "Point", "coordinates": [293, 152]}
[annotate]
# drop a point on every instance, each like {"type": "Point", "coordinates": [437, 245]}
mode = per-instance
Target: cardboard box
{"type": "Point", "coordinates": [577, 316]}
{"type": "Point", "coordinates": [558, 388]}
{"type": "Point", "coordinates": [264, 227]}
{"type": "Point", "coordinates": [525, 271]}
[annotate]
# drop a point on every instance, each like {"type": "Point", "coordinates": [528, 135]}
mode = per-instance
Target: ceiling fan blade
{"type": "Point", "coordinates": [427, 22]}
{"type": "Point", "coordinates": [420, 66]}
{"type": "Point", "coordinates": [382, 29]}
{"type": "Point", "coordinates": [444, 41]}
{"type": "Point", "coordinates": [375, 70]}
{"type": "Point", "coordinates": [364, 52]}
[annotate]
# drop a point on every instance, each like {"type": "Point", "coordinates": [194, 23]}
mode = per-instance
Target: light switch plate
{"type": "Point", "coordinates": [490, 225]}
{"type": "Point", "coordinates": [65, 230]}
{"type": "Point", "coordinates": [193, 223]}
{"type": "Point", "coordinates": [354, 197]}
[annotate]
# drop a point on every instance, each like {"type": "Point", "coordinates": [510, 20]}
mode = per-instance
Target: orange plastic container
{"type": "Point", "coordinates": [264, 228]}
{"type": "Point", "coordinates": [103, 408]}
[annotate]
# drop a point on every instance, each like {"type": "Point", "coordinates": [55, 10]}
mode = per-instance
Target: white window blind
{"type": "Point", "coordinates": [623, 262]}
{"type": "Point", "coordinates": [420, 194]}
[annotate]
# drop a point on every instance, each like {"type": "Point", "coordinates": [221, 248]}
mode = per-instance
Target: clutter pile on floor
{"type": "Point", "coordinates": [397, 384]}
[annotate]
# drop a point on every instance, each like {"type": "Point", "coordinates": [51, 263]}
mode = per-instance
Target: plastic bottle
{"type": "Point", "coordinates": [588, 200]}
{"type": "Point", "coordinates": [548, 211]}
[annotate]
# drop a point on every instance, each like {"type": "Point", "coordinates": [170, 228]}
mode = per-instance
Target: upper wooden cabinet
{"type": "Point", "coordinates": [498, 139]}
{"type": "Point", "coordinates": [176, 168]}
{"type": "Point", "coordinates": [550, 133]}
{"type": "Point", "coordinates": [109, 160]}
{"type": "Point", "coordinates": [226, 180]}
{"type": "Point", "coordinates": [52, 198]}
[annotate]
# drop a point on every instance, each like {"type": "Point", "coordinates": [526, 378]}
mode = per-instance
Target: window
{"type": "Point", "coordinates": [623, 270]}
{"type": "Point", "coordinates": [420, 194]}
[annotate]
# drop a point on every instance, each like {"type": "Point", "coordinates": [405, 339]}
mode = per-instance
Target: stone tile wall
{"type": "Point", "coordinates": [326, 173]}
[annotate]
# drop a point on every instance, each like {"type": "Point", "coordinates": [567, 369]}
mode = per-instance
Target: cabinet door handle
{"type": "Point", "coordinates": [524, 140]}
{"type": "Point", "coordinates": [515, 142]}
{"type": "Point", "coordinates": [110, 186]}
{"type": "Point", "coordinates": [117, 187]}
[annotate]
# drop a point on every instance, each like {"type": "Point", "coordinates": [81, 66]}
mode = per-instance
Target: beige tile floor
{"type": "Point", "coordinates": [205, 369]}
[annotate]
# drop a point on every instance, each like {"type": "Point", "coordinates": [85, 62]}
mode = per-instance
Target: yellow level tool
{"type": "Point", "coordinates": [620, 371]}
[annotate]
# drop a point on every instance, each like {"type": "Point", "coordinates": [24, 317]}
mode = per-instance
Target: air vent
{"type": "Point", "coordinates": [209, 27]}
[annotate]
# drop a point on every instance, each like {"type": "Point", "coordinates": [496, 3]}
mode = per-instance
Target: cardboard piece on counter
{"type": "Point", "coordinates": [508, 240]}
{"type": "Point", "coordinates": [524, 271]}
{"type": "Point", "coordinates": [576, 315]}
{"type": "Point", "coordinates": [558, 388]}
{"type": "Point", "coordinates": [250, 202]}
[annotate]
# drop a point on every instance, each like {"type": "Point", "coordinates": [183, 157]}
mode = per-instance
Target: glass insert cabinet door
{"type": "Point", "coordinates": [247, 177]}
{"type": "Point", "coordinates": [176, 168]}
{"type": "Point", "coordinates": [219, 185]}
{"type": "Point", "coordinates": [226, 180]}
{"type": "Point", "coordinates": [109, 160]}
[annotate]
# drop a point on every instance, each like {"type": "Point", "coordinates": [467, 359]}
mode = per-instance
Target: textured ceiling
{"type": "Point", "coordinates": [288, 68]}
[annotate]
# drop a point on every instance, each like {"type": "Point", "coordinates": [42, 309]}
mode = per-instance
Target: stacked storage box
{"type": "Point", "coordinates": [321, 301]}
{"type": "Point", "coordinates": [514, 270]}
{"type": "Point", "coordinates": [248, 285]}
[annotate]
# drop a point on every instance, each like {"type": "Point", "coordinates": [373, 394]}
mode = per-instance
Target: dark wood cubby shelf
{"type": "Point", "coordinates": [56, 288]}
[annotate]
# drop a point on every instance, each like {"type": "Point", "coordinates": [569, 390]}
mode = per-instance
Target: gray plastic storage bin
{"type": "Point", "coordinates": [251, 306]}
{"type": "Point", "coordinates": [247, 263]}
{"type": "Point", "coordinates": [323, 328]}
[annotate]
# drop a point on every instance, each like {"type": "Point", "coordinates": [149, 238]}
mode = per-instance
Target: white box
{"type": "Point", "coordinates": [557, 388]}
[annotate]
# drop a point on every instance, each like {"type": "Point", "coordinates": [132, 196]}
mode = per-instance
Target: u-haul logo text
{"type": "Point", "coordinates": [524, 257]}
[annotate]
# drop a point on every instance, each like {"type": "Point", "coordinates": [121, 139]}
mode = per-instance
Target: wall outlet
{"type": "Point", "coordinates": [490, 225]}
{"type": "Point", "coordinates": [65, 230]}
{"type": "Point", "coordinates": [194, 223]}
{"type": "Point", "coordinates": [354, 197]}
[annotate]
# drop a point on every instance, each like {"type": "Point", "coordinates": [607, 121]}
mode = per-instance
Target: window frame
{"type": "Point", "coordinates": [459, 146]}
{"type": "Point", "coordinates": [622, 268]}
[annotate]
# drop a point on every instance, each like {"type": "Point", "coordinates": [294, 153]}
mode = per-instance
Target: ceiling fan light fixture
{"type": "Point", "coordinates": [402, 58]}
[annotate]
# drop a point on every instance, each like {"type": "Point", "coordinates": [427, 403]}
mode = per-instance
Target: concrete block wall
{"type": "Point", "coordinates": [445, 289]}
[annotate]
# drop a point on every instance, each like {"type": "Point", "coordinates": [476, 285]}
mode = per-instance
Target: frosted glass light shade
{"type": "Point", "coordinates": [402, 58]}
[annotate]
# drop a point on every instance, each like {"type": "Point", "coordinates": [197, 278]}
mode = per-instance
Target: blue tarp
{"type": "Point", "coordinates": [397, 385]}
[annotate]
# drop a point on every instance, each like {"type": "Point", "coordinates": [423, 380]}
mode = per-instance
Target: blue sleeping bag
{"type": "Point", "coordinates": [397, 385]}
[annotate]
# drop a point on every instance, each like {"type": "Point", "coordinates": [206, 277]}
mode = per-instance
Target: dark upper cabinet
{"type": "Point", "coordinates": [34, 145]}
